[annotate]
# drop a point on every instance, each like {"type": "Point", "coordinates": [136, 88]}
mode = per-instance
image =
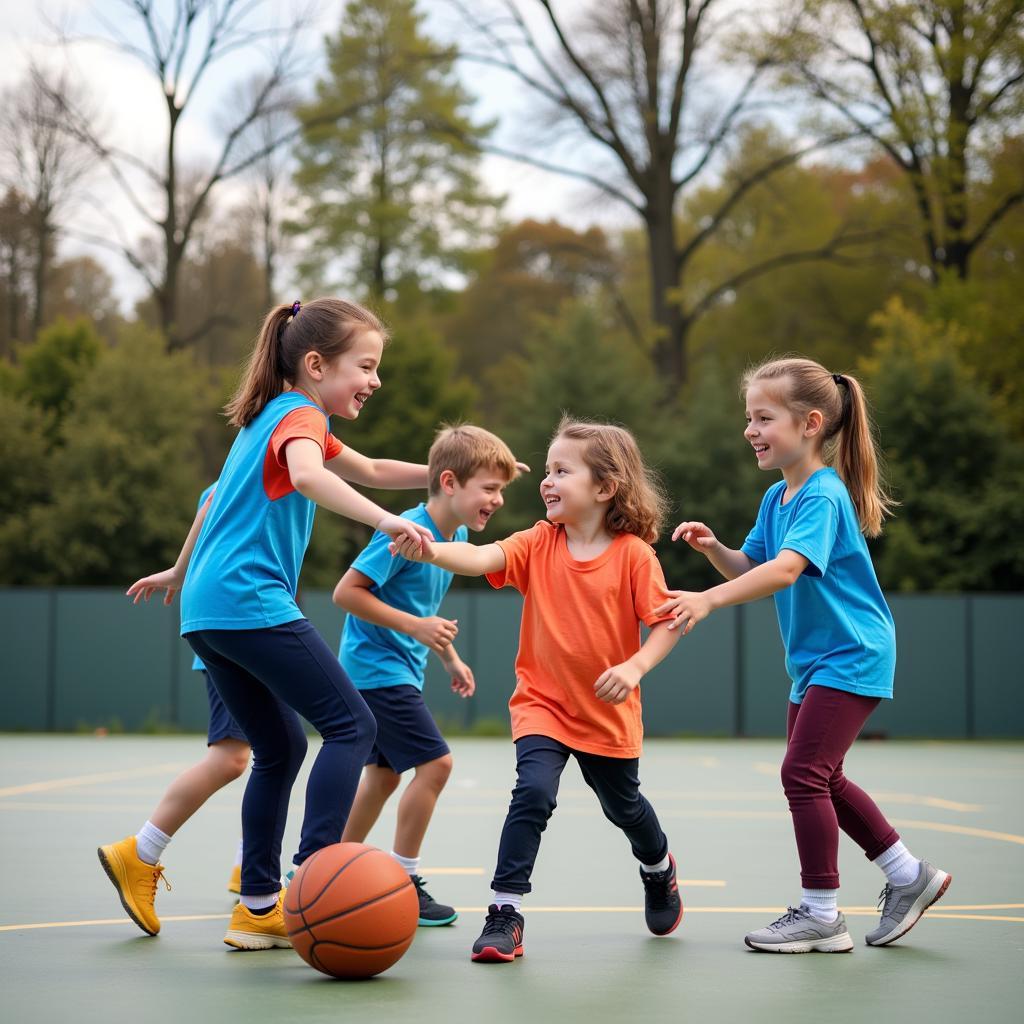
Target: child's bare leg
{"type": "Point", "coordinates": [225, 761]}
{"type": "Point", "coordinates": [417, 805]}
{"type": "Point", "coordinates": [375, 787]}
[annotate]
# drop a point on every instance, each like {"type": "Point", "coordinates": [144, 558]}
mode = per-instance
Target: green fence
{"type": "Point", "coordinates": [82, 658]}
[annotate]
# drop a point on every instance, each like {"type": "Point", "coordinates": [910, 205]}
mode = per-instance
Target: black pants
{"type": "Point", "coordinates": [264, 676]}
{"type": "Point", "coordinates": [539, 764]}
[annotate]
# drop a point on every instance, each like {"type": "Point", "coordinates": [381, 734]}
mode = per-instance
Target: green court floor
{"type": "Point", "coordinates": [67, 953]}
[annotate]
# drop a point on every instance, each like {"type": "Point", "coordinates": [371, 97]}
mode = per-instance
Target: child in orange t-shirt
{"type": "Point", "coordinates": [589, 578]}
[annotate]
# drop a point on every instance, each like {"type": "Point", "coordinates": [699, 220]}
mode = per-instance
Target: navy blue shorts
{"type": "Point", "coordinates": [407, 735]}
{"type": "Point", "coordinates": [222, 725]}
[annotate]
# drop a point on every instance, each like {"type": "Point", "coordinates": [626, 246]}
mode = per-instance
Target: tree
{"type": "Point", "coordinates": [45, 163]}
{"type": "Point", "coordinates": [935, 84]}
{"type": "Point", "coordinates": [390, 186]}
{"type": "Point", "coordinates": [634, 81]}
{"type": "Point", "coordinates": [179, 51]}
{"type": "Point", "coordinates": [50, 368]}
{"type": "Point", "coordinates": [957, 473]}
{"type": "Point", "coordinates": [15, 268]}
{"type": "Point", "coordinates": [532, 269]}
{"type": "Point", "coordinates": [127, 471]}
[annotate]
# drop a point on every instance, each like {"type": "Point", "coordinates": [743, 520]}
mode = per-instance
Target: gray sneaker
{"type": "Point", "coordinates": [798, 931]}
{"type": "Point", "coordinates": [903, 905]}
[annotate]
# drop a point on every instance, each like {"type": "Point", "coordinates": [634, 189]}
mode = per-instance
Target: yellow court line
{"type": "Point", "coordinates": [963, 830]}
{"type": "Point", "coordinates": [851, 911]}
{"type": "Point", "coordinates": [85, 780]}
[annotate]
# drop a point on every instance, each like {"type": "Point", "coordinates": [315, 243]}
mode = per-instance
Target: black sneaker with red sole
{"type": "Point", "coordinates": [501, 941]}
{"type": "Point", "coordinates": [663, 906]}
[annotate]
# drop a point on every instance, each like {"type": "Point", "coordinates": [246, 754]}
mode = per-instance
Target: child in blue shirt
{"type": "Point", "coordinates": [392, 624]}
{"type": "Point", "coordinates": [807, 548]}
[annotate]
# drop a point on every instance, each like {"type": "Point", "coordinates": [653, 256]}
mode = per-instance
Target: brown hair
{"type": "Point", "coordinates": [464, 449]}
{"type": "Point", "coordinates": [639, 505]}
{"type": "Point", "coordinates": [327, 326]}
{"type": "Point", "coordinates": [847, 436]}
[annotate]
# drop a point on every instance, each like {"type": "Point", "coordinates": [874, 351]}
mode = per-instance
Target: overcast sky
{"type": "Point", "coordinates": [131, 106]}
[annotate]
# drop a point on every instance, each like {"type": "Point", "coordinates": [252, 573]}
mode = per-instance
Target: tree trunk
{"type": "Point", "coordinates": [670, 346]}
{"type": "Point", "coordinates": [39, 283]}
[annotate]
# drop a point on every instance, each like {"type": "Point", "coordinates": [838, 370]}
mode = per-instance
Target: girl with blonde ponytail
{"type": "Point", "coordinates": [238, 574]}
{"type": "Point", "coordinates": [807, 549]}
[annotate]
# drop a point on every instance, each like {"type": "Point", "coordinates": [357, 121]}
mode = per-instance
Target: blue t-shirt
{"type": "Point", "coordinates": [374, 656]}
{"type": "Point", "coordinates": [244, 571]}
{"type": "Point", "coordinates": [836, 627]}
{"type": "Point", "coordinates": [197, 663]}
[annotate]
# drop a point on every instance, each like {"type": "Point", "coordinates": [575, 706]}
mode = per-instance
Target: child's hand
{"type": "Point", "coordinates": [417, 550]}
{"type": "Point", "coordinates": [687, 608]}
{"type": "Point", "coordinates": [697, 535]}
{"type": "Point", "coordinates": [405, 536]}
{"type": "Point", "coordinates": [615, 684]}
{"type": "Point", "coordinates": [522, 467]}
{"type": "Point", "coordinates": [463, 682]}
{"type": "Point", "coordinates": [435, 632]}
{"type": "Point", "coordinates": [169, 580]}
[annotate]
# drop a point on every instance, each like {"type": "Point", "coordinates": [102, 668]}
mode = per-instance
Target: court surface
{"type": "Point", "coordinates": [68, 953]}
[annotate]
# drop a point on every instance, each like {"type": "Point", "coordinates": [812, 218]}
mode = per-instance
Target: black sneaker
{"type": "Point", "coordinates": [432, 913]}
{"type": "Point", "coordinates": [662, 906]}
{"type": "Point", "coordinates": [501, 941]}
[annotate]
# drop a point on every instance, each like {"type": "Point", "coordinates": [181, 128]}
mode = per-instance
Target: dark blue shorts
{"type": "Point", "coordinates": [407, 735]}
{"type": "Point", "coordinates": [222, 725]}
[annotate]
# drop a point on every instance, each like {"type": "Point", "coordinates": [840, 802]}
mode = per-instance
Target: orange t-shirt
{"type": "Point", "coordinates": [579, 618]}
{"type": "Point", "coordinates": [306, 422]}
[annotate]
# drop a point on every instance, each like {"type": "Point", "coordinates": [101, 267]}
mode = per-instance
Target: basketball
{"type": "Point", "coordinates": [351, 911]}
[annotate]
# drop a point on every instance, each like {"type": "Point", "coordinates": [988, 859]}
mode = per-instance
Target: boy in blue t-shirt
{"type": "Point", "coordinates": [392, 624]}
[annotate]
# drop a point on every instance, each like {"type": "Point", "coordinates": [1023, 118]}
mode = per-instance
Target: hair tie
{"type": "Point", "coordinates": [296, 306]}
{"type": "Point", "coordinates": [838, 378]}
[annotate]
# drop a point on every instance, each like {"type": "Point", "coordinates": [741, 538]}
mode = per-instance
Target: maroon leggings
{"type": "Point", "coordinates": [822, 800]}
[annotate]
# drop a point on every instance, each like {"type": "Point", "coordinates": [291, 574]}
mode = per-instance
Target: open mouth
{"type": "Point", "coordinates": [552, 500]}
{"type": "Point", "coordinates": [362, 397]}
{"type": "Point", "coordinates": [485, 514]}
{"type": "Point", "coordinates": [760, 449]}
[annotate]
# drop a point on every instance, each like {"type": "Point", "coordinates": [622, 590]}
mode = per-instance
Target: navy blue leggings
{"type": "Point", "coordinates": [539, 764]}
{"type": "Point", "coordinates": [262, 675]}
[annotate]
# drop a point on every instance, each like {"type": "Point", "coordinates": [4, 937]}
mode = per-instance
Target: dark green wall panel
{"type": "Point", "coordinates": [26, 656]}
{"type": "Point", "coordinates": [997, 666]}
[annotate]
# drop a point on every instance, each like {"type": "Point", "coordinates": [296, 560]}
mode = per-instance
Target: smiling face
{"type": "Point", "coordinates": [779, 438]}
{"type": "Point", "coordinates": [475, 501]}
{"type": "Point", "coordinates": [350, 379]}
{"type": "Point", "coordinates": [569, 490]}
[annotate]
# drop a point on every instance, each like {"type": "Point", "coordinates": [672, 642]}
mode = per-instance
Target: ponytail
{"type": "Point", "coordinates": [327, 326]}
{"type": "Point", "coordinates": [263, 378]}
{"type": "Point", "coordinates": [856, 458]}
{"type": "Point", "coordinates": [847, 435]}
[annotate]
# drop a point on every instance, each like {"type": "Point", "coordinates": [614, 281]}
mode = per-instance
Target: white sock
{"type": "Point", "coordinates": [238, 855]}
{"type": "Point", "coordinates": [651, 869]}
{"type": "Point", "coordinates": [410, 864]}
{"type": "Point", "coordinates": [901, 867]}
{"type": "Point", "coordinates": [822, 903]}
{"type": "Point", "coordinates": [508, 899]}
{"type": "Point", "coordinates": [260, 902]}
{"type": "Point", "coordinates": [150, 843]}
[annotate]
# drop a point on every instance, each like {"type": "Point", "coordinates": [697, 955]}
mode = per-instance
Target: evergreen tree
{"type": "Point", "coordinates": [391, 183]}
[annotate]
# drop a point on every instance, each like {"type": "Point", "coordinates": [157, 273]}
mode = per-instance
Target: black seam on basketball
{"type": "Point", "coordinates": [330, 881]}
{"type": "Point", "coordinates": [361, 949]}
{"type": "Point", "coordinates": [351, 910]}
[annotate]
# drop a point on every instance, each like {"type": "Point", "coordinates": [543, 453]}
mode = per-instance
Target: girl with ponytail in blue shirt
{"type": "Point", "coordinates": [807, 548]}
{"type": "Point", "coordinates": [238, 574]}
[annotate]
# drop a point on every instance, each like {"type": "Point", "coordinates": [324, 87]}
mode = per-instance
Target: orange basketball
{"type": "Point", "coordinates": [351, 911]}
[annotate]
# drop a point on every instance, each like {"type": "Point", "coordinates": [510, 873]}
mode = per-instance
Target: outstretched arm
{"type": "Point", "coordinates": [729, 562]}
{"type": "Point", "coordinates": [311, 478]}
{"type": "Point", "coordinates": [388, 474]}
{"type": "Point", "coordinates": [170, 580]}
{"type": "Point", "coordinates": [761, 581]}
{"type": "Point", "coordinates": [455, 556]}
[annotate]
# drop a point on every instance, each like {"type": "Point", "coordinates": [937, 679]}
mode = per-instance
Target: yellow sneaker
{"type": "Point", "coordinates": [247, 930]}
{"type": "Point", "coordinates": [235, 881]}
{"type": "Point", "coordinates": [135, 882]}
